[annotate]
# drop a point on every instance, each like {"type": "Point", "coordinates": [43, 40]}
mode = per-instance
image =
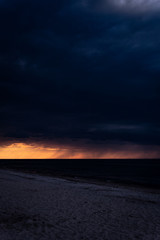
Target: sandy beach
{"type": "Point", "coordinates": [40, 207]}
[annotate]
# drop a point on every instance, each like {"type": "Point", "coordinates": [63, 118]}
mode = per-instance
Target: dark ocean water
{"type": "Point", "coordinates": [136, 171]}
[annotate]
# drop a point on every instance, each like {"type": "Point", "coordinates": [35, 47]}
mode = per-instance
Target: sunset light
{"type": "Point", "coordinates": [35, 151]}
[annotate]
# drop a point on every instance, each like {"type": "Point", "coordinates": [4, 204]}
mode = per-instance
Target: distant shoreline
{"type": "Point", "coordinates": [136, 172]}
{"type": "Point", "coordinates": [96, 181]}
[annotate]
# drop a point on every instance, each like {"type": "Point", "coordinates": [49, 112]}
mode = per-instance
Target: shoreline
{"type": "Point", "coordinates": [96, 181]}
{"type": "Point", "coordinates": [140, 173]}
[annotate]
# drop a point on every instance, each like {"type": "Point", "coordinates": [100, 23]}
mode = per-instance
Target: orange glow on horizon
{"type": "Point", "coordinates": [25, 151]}
{"type": "Point", "coordinates": [33, 151]}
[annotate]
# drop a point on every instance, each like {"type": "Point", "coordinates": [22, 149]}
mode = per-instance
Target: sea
{"type": "Point", "coordinates": [144, 172]}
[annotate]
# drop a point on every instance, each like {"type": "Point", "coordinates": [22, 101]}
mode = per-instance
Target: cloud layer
{"type": "Point", "coordinates": [124, 6]}
{"type": "Point", "coordinates": [70, 74]}
{"type": "Point", "coordinates": [136, 6]}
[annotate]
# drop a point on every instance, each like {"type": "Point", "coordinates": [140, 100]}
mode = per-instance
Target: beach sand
{"type": "Point", "coordinates": [40, 207]}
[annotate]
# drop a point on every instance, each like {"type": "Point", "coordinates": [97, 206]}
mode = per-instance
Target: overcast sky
{"type": "Point", "coordinates": [80, 73]}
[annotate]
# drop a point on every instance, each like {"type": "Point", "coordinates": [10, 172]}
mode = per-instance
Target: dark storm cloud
{"type": "Point", "coordinates": [69, 71]}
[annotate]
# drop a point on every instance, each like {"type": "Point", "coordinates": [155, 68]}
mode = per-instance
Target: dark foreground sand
{"type": "Point", "coordinates": [36, 207]}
